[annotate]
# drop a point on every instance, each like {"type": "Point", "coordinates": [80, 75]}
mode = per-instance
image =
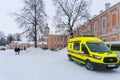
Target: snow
{"type": "Point", "coordinates": [38, 64]}
{"type": "Point", "coordinates": [42, 42]}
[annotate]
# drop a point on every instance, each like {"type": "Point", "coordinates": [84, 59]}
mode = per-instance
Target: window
{"type": "Point", "coordinates": [89, 30]}
{"type": "Point", "coordinates": [55, 45]}
{"type": "Point", "coordinates": [84, 49]}
{"type": "Point", "coordinates": [65, 39]}
{"type": "Point", "coordinates": [55, 38]}
{"type": "Point", "coordinates": [114, 20]}
{"type": "Point", "coordinates": [76, 46]}
{"type": "Point", "coordinates": [70, 46]}
{"type": "Point", "coordinates": [96, 27]}
{"type": "Point", "coordinates": [104, 24]}
{"type": "Point", "coordinates": [61, 38]}
{"type": "Point", "coordinates": [98, 47]}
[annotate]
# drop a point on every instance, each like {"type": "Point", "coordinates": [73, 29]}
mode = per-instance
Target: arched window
{"type": "Point", "coordinates": [89, 30]}
{"type": "Point", "coordinates": [96, 27]}
{"type": "Point", "coordinates": [104, 24]}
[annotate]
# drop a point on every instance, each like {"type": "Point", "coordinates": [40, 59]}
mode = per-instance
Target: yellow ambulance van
{"type": "Point", "coordinates": [92, 52]}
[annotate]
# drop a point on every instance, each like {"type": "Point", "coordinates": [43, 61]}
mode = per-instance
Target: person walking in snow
{"type": "Point", "coordinates": [24, 48]}
{"type": "Point", "coordinates": [15, 50]}
{"type": "Point", "coordinates": [18, 50]}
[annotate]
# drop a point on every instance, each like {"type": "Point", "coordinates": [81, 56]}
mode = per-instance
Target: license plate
{"type": "Point", "coordinates": [111, 65]}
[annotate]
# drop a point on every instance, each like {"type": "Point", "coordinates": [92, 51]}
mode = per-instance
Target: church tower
{"type": "Point", "coordinates": [46, 30]}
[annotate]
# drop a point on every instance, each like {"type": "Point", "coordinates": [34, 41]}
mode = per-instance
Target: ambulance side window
{"type": "Point", "coordinates": [84, 49]}
{"type": "Point", "coordinates": [77, 46]}
{"type": "Point", "coordinates": [70, 46]}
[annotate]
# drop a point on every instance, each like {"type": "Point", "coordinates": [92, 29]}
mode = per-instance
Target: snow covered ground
{"type": "Point", "coordinates": [36, 64]}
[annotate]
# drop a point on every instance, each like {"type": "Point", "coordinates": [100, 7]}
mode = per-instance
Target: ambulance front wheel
{"type": "Point", "coordinates": [89, 66]}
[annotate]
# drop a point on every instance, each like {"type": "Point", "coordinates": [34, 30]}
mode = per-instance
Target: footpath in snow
{"type": "Point", "coordinates": [38, 64]}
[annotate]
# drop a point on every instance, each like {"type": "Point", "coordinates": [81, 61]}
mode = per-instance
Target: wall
{"type": "Point", "coordinates": [105, 25]}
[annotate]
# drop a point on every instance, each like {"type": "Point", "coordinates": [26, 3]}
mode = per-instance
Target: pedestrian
{"type": "Point", "coordinates": [18, 50]}
{"type": "Point", "coordinates": [24, 48]}
{"type": "Point", "coordinates": [15, 50]}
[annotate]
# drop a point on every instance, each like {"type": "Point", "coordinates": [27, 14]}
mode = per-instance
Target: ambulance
{"type": "Point", "coordinates": [93, 53]}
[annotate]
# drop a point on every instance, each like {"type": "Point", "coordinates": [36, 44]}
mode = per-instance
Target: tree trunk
{"type": "Point", "coordinates": [35, 37]}
{"type": "Point", "coordinates": [35, 27]}
{"type": "Point", "coordinates": [71, 32]}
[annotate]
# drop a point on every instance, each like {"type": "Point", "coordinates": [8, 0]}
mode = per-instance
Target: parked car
{"type": "Point", "coordinates": [2, 48]}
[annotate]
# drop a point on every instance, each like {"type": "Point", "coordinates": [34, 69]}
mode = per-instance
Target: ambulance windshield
{"type": "Point", "coordinates": [98, 47]}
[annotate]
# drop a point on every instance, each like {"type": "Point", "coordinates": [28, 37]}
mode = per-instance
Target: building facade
{"type": "Point", "coordinates": [19, 44]}
{"type": "Point", "coordinates": [57, 41]}
{"type": "Point", "coordinates": [106, 25]}
{"type": "Point", "coordinates": [46, 41]}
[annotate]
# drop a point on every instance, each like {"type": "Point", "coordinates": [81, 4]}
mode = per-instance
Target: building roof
{"type": "Point", "coordinates": [99, 15]}
{"type": "Point", "coordinates": [106, 10]}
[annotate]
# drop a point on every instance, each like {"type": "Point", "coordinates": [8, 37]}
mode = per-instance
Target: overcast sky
{"type": "Point", "coordinates": [8, 25]}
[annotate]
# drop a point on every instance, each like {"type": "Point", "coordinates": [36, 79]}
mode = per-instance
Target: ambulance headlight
{"type": "Point", "coordinates": [97, 57]}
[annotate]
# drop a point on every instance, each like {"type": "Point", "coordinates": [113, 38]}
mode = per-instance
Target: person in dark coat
{"type": "Point", "coordinates": [18, 50]}
{"type": "Point", "coordinates": [24, 48]}
{"type": "Point", "coordinates": [15, 50]}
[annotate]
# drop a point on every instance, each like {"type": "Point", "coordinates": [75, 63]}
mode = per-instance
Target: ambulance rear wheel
{"type": "Point", "coordinates": [70, 58]}
{"type": "Point", "coordinates": [89, 66]}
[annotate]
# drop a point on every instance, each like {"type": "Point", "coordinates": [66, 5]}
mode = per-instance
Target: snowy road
{"type": "Point", "coordinates": [47, 65]}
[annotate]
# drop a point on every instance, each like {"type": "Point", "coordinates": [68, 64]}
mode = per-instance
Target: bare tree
{"type": "Point", "coordinates": [71, 13]}
{"type": "Point", "coordinates": [32, 18]}
{"type": "Point", "coordinates": [17, 37]}
{"type": "Point", "coordinates": [10, 38]}
{"type": "Point", "coordinates": [13, 37]}
{"type": "Point", "coordinates": [2, 39]}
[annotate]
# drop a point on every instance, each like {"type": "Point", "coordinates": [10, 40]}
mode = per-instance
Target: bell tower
{"type": "Point", "coordinates": [46, 30]}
